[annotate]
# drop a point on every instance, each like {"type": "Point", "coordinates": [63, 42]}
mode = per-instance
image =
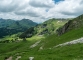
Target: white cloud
{"type": "Point", "coordinates": [40, 10]}
{"type": "Point", "coordinates": [71, 7]}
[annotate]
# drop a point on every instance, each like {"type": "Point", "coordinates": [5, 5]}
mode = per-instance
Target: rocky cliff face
{"type": "Point", "coordinates": [64, 29]}
{"type": "Point", "coordinates": [71, 24]}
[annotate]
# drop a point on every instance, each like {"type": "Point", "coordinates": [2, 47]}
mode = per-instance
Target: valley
{"type": "Point", "coordinates": [55, 39]}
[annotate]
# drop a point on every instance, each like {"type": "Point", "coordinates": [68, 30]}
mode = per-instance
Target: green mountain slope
{"type": "Point", "coordinates": [72, 24]}
{"type": "Point", "coordinates": [8, 23]}
{"type": "Point", "coordinates": [9, 27]}
{"type": "Point", "coordinates": [44, 49]}
{"type": "Point", "coordinates": [47, 28]}
{"type": "Point", "coordinates": [72, 30]}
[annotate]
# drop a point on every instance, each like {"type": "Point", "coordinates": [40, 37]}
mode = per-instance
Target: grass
{"type": "Point", "coordinates": [62, 53]}
{"type": "Point", "coordinates": [35, 38]}
{"type": "Point", "coordinates": [53, 40]}
{"type": "Point", "coordinates": [69, 52]}
{"type": "Point", "coordinates": [12, 37]}
{"type": "Point", "coordinates": [51, 26]}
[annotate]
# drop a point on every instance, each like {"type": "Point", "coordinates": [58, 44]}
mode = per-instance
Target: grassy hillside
{"type": "Point", "coordinates": [53, 40]}
{"type": "Point", "coordinates": [47, 28]}
{"type": "Point", "coordinates": [60, 53]}
{"type": "Point", "coordinates": [50, 26]}
{"type": "Point", "coordinates": [44, 49]}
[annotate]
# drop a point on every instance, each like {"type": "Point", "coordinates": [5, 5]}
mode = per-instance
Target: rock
{"type": "Point", "coordinates": [35, 44]}
{"type": "Point", "coordinates": [18, 57]}
{"type": "Point", "coordinates": [80, 40]}
{"type": "Point", "coordinates": [31, 58]}
{"type": "Point", "coordinates": [71, 24]}
{"type": "Point", "coordinates": [10, 58]}
{"type": "Point", "coordinates": [64, 29]}
{"type": "Point", "coordinates": [41, 48]}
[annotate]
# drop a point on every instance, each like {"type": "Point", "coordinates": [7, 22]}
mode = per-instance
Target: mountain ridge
{"type": "Point", "coordinates": [8, 26]}
{"type": "Point", "coordinates": [48, 27]}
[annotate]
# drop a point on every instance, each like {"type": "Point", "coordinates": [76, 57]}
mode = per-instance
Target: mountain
{"type": "Point", "coordinates": [72, 24]}
{"type": "Point", "coordinates": [9, 27]}
{"type": "Point", "coordinates": [65, 44]}
{"type": "Point", "coordinates": [72, 30]}
{"type": "Point", "coordinates": [47, 28]}
{"type": "Point", "coordinates": [8, 23]}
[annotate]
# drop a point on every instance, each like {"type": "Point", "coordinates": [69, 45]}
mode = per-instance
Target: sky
{"type": "Point", "coordinates": [40, 10]}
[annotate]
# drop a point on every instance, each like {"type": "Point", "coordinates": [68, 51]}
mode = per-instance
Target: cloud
{"type": "Point", "coordinates": [7, 6]}
{"type": "Point", "coordinates": [40, 10]}
{"type": "Point", "coordinates": [73, 7]}
{"type": "Point", "coordinates": [41, 3]}
{"type": "Point", "coordinates": [12, 5]}
{"type": "Point", "coordinates": [31, 11]}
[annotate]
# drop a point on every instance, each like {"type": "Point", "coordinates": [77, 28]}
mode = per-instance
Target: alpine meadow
{"type": "Point", "coordinates": [41, 30]}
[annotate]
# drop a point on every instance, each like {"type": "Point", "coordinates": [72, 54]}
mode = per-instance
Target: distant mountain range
{"type": "Point", "coordinates": [8, 26]}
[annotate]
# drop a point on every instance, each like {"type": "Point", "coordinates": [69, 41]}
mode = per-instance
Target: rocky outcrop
{"type": "Point", "coordinates": [35, 44]}
{"type": "Point", "coordinates": [71, 24]}
{"type": "Point", "coordinates": [65, 28]}
{"type": "Point", "coordinates": [80, 40]}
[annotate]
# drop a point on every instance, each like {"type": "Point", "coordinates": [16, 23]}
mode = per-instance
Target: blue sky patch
{"type": "Point", "coordinates": [57, 1]}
